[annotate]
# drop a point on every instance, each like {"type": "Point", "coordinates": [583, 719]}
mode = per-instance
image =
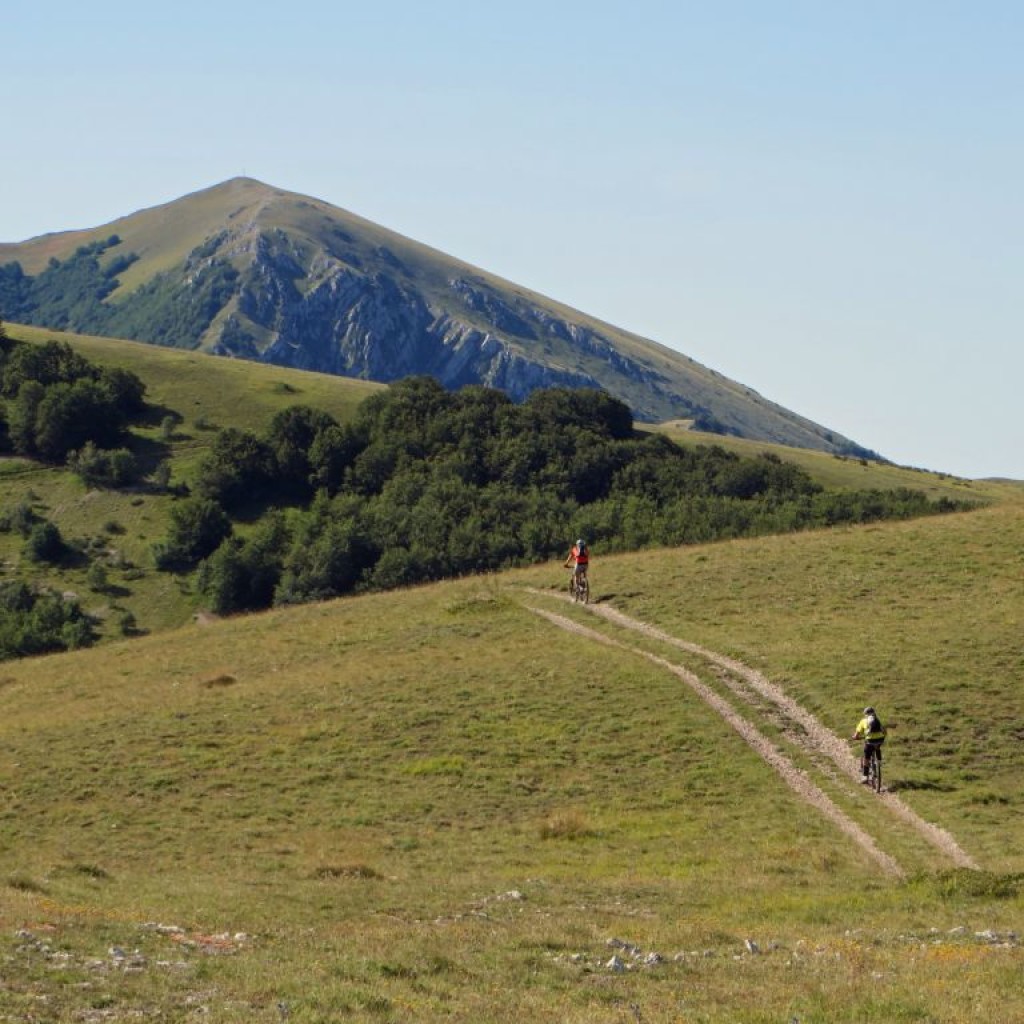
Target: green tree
{"type": "Point", "coordinates": [242, 575]}
{"type": "Point", "coordinates": [197, 528]}
{"type": "Point", "coordinates": [329, 554]}
{"type": "Point", "coordinates": [292, 436]}
{"type": "Point", "coordinates": [36, 622]}
{"type": "Point", "coordinates": [125, 390]}
{"type": "Point", "coordinates": [238, 467]}
{"type": "Point", "coordinates": [53, 362]}
{"type": "Point", "coordinates": [332, 452]}
{"type": "Point", "coordinates": [71, 414]}
{"type": "Point", "coordinates": [22, 416]}
{"type": "Point", "coordinates": [99, 468]}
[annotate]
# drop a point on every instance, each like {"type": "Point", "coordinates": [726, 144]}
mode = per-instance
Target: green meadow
{"type": "Point", "coordinates": [438, 804]}
{"type": "Point", "coordinates": [474, 801]}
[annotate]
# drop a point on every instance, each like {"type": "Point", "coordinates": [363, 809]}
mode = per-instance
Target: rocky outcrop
{"type": "Point", "coordinates": [378, 326]}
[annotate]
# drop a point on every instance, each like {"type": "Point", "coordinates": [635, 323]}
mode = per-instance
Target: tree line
{"type": "Point", "coordinates": [57, 407]}
{"type": "Point", "coordinates": [425, 484]}
{"type": "Point", "coordinates": [422, 484]}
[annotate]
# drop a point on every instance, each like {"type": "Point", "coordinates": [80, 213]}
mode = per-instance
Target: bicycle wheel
{"type": "Point", "coordinates": [585, 590]}
{"type": "Point", "coordinates": [875, 773]}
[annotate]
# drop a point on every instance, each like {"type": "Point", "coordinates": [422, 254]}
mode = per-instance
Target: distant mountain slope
{"type": "Point", "coordinates": [247, 270]}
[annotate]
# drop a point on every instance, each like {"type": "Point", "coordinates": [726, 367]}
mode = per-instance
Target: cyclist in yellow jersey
{"type": "Point", "coordinates": [872, 732]}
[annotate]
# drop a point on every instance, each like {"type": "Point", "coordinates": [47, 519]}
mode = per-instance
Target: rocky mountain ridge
{"type": "Point", "coordinates": [249, 271]}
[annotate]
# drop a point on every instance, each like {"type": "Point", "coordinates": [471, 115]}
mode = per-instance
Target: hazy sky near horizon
{"type": "Point", "coordinates": [824, 201]}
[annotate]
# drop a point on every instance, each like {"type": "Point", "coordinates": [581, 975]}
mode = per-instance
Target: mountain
{"type": "Point", "coordinates": [246, 270]}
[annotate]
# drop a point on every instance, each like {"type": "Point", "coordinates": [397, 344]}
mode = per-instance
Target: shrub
{"type": "Point", "coordinates": [45, 543]}
{"type": "Point", "coordinates": [571, 824]}
{"type": "Point", "coordinates": [162, 475]}
{"type": "Point", "coordinates": [19, 519]}
{"type": "Point", "coordinates": [96, 577]}
{"type": "Point", "coordinates": [100, 468]}
{"type": "Point", "coordinates": [34, 623]}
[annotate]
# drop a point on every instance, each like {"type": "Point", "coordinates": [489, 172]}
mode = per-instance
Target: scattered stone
{"type": "Point", "coordinates": [172, 965]}
{"type": "Point", "coordinates": [164, 929]}
{"type": "Point", "coordinates": [627, 947]}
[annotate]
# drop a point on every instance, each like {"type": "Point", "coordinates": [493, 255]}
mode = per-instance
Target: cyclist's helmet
{"type": "Point", "coordinates": [580, 542]}
{"type": "Point", "coordinates": [869, 711]}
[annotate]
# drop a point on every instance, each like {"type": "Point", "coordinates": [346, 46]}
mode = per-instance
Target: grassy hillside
{"type": "Point", "coordinates": [439, 804]}
{"type": "Point", "coordinates": [218, 392]}
{"type": "Point", "coordinates": [202, 393]}
{"type": "Point", "coordinates": [847, 472]}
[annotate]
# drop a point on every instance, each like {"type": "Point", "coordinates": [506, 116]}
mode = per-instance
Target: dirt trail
{"type": "Point", "coordinates": [793, 777]}
{"type": "Point", "coordinates": [810, 734]}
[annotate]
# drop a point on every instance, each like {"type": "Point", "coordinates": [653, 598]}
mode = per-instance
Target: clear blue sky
{"type": "Point", "coordinates": [822, 200]}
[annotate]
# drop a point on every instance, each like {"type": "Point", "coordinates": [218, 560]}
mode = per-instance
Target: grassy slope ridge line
{"type": "Point", "coordinates": [816, 734]}
{"type": "Point", "coordinates": [756, 740]}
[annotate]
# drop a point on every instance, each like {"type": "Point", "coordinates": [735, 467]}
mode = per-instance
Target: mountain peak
{"type": "Point", "coordinates": [246, 269]}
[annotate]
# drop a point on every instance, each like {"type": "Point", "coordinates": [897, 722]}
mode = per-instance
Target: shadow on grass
{"type": "Point", "coordinates": [921, 785]}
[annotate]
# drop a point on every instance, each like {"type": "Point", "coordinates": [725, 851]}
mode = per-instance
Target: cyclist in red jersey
{"type": "Point", "coordinates": [578, 558]}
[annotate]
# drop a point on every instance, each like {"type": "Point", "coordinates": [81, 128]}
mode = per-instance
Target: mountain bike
{"type": "Point", "coordinates": [579, 588]}
{"type": "Point", "coordinates": [875, 768]}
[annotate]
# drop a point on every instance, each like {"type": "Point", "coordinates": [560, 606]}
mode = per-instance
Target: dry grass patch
{"type": "Point", "coordinates": [569, 824]}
